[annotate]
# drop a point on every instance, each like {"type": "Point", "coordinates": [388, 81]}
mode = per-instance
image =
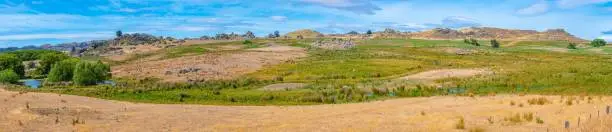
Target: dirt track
{"type": "Point", "coordinates": [52, 112]}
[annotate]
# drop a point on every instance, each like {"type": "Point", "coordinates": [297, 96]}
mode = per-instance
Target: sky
{"type": "Point", "coordinates": [36, 22]}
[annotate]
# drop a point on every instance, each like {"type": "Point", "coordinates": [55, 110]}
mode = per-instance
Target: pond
{"type": "Point", "coordinates": [32, 83]}
{"type": "Point", "coordinates": [35, 84]}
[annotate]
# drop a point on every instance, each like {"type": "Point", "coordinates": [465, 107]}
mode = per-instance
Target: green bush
{"type": "Point", "coordinates": [10, 61]}
{"type": "Point", "coordinates": [30, 55]}
{"type": "Point", "coordinates": [87, 73]}
{"type": "Point", "coordinates": [47, 60]}
{"type": "Point", "coordinates": [494, 43]}
{"type": "Point", "coordinates": [8, 76]}
{"type": "Point", "coordinates": [62, 71]}
{"type": "Point", "coordinates": [572, 46]}
{"type": "Point", "coordinates": [598, 43]}
{"type": "Point", "coordinates": [474, 42]}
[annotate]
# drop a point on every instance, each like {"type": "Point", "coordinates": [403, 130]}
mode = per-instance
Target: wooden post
{"type": "Point", "coordinates": [567, 124]}
{"type": "Point", "coordinates": [608, 110]}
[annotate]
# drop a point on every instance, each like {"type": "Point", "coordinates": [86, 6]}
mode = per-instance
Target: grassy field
{"type": "Point", "coordinates": [360, 74]}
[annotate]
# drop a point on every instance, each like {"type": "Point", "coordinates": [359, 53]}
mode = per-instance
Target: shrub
{"type": "Point", "coordinates": [538, 101]}
{"type": "Point", "coordinates": [87, 73]}
{"type": "Point", "coordinates": [10, 61]}
{"type": "Point", "coordinates": [598, 43]}
{"type": "Point", "coordinates": [460, 124]}
{"type": "Point", "coordinates": [49, 59]}
{"type": "Point", "coordinates": [539, 121]}
{"type": "Point", "coordinates": [62, 71]}
{"type": "Point", "coordinates": [474, 42]}
{"type": "Point", "coordinates": [528, 116]}
{"type": "Point", "coordinates": [572, 46]}
{"type": "Point", "coordinates": [494, 43]}
{"type": "Point", "coordinates": [8, 76]}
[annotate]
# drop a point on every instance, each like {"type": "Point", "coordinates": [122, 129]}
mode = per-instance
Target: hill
{"type": "Point", "coordinates": [496, 33]}
{"type": "Point", "coordinates": [306, 33]}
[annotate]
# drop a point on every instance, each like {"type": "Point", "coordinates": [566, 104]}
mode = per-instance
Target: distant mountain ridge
{"type": "Point", "coordinates": [496, 33]}
{"type": "Point", "coordinates": [437, 33]}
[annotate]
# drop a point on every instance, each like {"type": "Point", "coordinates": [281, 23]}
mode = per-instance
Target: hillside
{"type": "Point", "coordinates": [306, 33]}
{"type": "Point", "coordinates": [496, 33]}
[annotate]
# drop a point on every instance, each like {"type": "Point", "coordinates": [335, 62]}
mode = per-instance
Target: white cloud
{"type": "Point", "coordinates": [15, 9]}
{"type": "Point", "coordinates": [278, 18]}
{"type": "Point", "coordinates": [537, 8]}
{"type": "Point", "coordinates": [459, 22]}
{"type": "Point", "coordinates": [94, 35]}
{"type": "Point", "coordinates": [578, 3]}
{"type": "Point", "coordinates": [607, 38]}
{"type": "Point", "coordinates": [356, 6]}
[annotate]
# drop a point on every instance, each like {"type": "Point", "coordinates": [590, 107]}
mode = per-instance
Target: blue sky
{"type": "Point", "coordinates": [35, 22]}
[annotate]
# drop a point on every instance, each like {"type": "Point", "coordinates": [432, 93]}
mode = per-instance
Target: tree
{"type": "Point", "coordinates": [474, 42]}
{"type": "Point", "coordinates": [300, 37]}
{"type": "Point", "coordinates": [598, 43]}
{"type": "Point", "coordinates": [369, 32]}
{"type": "Point", "coordinates": [9, 76]}
{"type": "Point", "coordinates": [572, 46]}
{"type": "Point", "coordinates": [494, 43]}
{"type": "Point", "coordinates": [88, 73]}
{"type": "Point", "coordinates": [62, 71]}
{"type": "Point", "coordinates": [47, 60]}
{"type": "Point", "coordinates": [276, 34]}
{"type": "Point", "coordinates": [119, 33]}
{"type": "Point", "coordinates": [467, 41]}
{"type": "Point", "coordinates": [249, 35]}
{"type": "Point", "coordinates": [11, 62]}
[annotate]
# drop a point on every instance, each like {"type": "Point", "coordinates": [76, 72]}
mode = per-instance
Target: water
{"type": "Point", "coordinates": [108, 82]}
{"type": "Point", "coordinates": [32, 83]}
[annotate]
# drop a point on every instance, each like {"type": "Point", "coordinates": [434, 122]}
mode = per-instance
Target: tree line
{"type": "Point", "coordinates": [55, 66]}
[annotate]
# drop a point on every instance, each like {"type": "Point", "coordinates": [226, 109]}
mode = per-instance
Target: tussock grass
{"type": "Point", "coordinates": [538, 101]}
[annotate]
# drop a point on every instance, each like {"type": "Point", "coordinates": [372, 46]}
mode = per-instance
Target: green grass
{"type": "Point", "coordinates": [359, 74]}
{"type": "Point", "coordinates": [185, 50]}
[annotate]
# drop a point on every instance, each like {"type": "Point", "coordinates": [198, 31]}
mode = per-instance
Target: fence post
{"type": "Point", "coordinates": [567, 124]}
{"type": "Point", "coordinates": [608, 110]}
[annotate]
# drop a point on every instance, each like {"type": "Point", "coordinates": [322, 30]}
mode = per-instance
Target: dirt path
{"type": "Point", "coordinates": [53, 112]}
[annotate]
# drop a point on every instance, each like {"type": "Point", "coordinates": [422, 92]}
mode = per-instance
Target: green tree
{"type": "Point", "coordinates": [10, 61]}
{"type": "Point", "coordinates": [9, 76]}
{"type": "Point", "coordinates": [62, 71]}
{"type": "Point", "coordinates": [474, 42]}
{"type": "Point", "coordinates": [598, 43]}
{"type": "Point", "coordinates": [369, 32]}
{"type": "Point", "coordinates": [572, 46]}
{"type": "Point", "coordinates": [276, 34]}
{"type": "Point", "coordinates": [87, 73]}
{"type": "Point", "coordinates": [494, 43]}
{"type": "Point", "coordinates": [249, 35]}
{"type": "Point", "coordinates": [119, 33]}
{"type": "Point", "coordinates": [47, 60]}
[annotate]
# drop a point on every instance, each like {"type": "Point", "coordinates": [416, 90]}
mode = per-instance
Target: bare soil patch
{"type": "Point", "coordinates": [446, 73]}
{"type": "Point", "coordinates": [53, 112]}
{"type": "Point", "coordinates": [283, 86]}
{"type": "Point", "coordinates": [457, 51]}
{"type": "Point", "coordinates": [209, 66]}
